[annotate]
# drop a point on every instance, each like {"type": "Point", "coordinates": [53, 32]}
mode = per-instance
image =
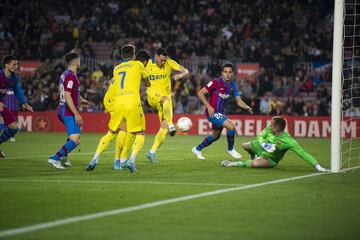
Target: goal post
{"type": "Point", "coordinates": [336, 85]}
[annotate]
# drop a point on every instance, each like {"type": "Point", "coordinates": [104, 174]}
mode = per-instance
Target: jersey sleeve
{"type": "Point", "coordinates": [261, 136]}
{"type": "Point", "coordinates": [236, 90]}
{"type": "Point", "coordinates": [19, 93]}
{"type": "Point", "coordinates": [143, 71]}
{"type": "Point", "coordinates": [295, 147]}
{"type": "Point", "coordinates": [173, 64]}
{"type": "Point", "coordinates": [69, 83]}
{"type": "Point", "coordinates": [210, 86]}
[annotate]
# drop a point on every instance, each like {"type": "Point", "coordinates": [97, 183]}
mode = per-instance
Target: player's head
{"type": "Point", "coordinates": [128, 51]}
{"type": "Point", "coordinates": [72, 59]}
{"type": "Point", "coordinates": [10, 63]}
{"type": "Point", "coordinates": [143, 56]}
{"type": "Point", "coordinates": [161, 56]}
{"type": "Point", "coordinates": [278, 124]}
{"type": "Point", "coordinates": [227, 70]}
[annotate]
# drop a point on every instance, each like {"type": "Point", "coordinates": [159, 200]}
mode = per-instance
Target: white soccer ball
{"type": "Point", "coordinates": [184, 124]}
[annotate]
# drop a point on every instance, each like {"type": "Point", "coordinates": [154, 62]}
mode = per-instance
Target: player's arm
{"type": "Point", "coordinates": [84, 103]}
{"type": "Point", "coordinates": [19, 93]}
{"type": "Point", "coordinates": [242, 104]}
{"type": "Point", "coordinates": [202, 97]}
{"type": "Point", "coordinates": [146, 81]}
{"type": "Point", "coordinates": [295, 147]}
{"type": "Point", "coordinates": [182, 73]}
{"type": "Point", "coordinates": [71, 105]}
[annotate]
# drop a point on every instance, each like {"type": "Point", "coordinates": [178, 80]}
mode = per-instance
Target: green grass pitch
{"type": "Point", "coordinates": [31, 192]}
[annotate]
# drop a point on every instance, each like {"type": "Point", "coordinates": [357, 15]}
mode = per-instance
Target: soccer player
{"type": "Point", "coordinates": [122, 148]}
{"type": "Point", "coordinates": [159, 94]}
{"type": "Point", "coordinates": [9, 81]}
{"type": "Point", "coordinates": [124, 92]}
{"type": "Point", "coordinates": [270, 146]}
{"type": "Point", "coordinates": [68, 110]}
{"type": "Point", "coordinates": [220, 89]}
{"type": "Point", "coordinates": [12, 103]}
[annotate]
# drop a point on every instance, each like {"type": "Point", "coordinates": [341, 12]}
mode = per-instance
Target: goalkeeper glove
{"type": "Point", "coordinates": [321, 169]}
{"type": "Point", "coordinates": [268, 147]}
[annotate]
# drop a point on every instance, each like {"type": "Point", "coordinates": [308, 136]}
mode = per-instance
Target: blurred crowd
{"type": "Point", "coordinates": [276, 34]}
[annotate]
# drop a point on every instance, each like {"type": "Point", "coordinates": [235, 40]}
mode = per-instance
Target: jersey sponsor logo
{"type": "Point", "coordinates": [157, 77]}
{"type": "Point", "coordinates": [224, 96]}
{"type": "Point", "coordinates": [210, 84]}
{"type": "Point", "coordinates": [70, 84]}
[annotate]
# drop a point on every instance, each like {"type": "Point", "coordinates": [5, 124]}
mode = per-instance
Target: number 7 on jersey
{"type": "Point", "coordinates": [122, 74]}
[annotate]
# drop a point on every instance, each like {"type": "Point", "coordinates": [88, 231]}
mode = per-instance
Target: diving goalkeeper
{"type": "Point", "coordinates": [270, 146]}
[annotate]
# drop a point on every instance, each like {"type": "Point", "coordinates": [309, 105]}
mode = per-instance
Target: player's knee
{"type": "Point", "coordinates": [13, 125]}
{"type": "Point", "coordinates": [245, 146]}
{"type": "Point", "coordinates": [75, 139]}
{"type": "Point", "coordinates": [216, 137]}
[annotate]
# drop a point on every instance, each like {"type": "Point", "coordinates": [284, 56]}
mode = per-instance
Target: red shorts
{"type": "Point", "coordinates": [7, 116]}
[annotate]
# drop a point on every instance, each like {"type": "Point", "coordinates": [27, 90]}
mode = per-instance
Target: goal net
{"type": "Point", "coordinates": [350, 85]}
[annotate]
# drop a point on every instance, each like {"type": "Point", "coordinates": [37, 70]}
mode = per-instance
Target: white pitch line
{"type": "Point", "coordinates": [40, 226]}
{"type": "Point", "coordinates": [118, 182]}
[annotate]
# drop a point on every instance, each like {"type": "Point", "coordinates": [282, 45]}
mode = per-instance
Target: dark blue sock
{"type": "Point", "coordinates": [64, 150]}
{"type": "Point", "coordinates": [230, 139]}
{"type": "Point", "coordinates": [206, 142]}
{"type": "Point", "coordinates": [7, 133]}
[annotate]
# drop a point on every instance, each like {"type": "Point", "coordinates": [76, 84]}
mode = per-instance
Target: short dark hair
{"type": "Point", "coordinates": [70, 56]}
{"type": "Point", "coordinates": [280, 122]}
{"type": "Point", "coordinates": [142, 55]}
{"type": "Point", "coordinates": [227, 64]}
{"type": "Point", "coordinates": [127, 51]}
{"type": "Point", "coordinates": [7, 59]}
{"type": "Point", "coordinates": [162, 51]}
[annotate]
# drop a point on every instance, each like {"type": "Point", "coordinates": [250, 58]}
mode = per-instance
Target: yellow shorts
{"type": "Point", "coordinates": [132, 114]}
{"type": "Point", "coordinates": [154, 102]}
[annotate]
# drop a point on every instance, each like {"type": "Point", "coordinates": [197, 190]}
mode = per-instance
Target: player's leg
{"type": "Point", "coordinates": [230, 135]}
{"type": "Point", "coordinates": [73, 131]}
{"type": "Point", "coordinates": [167, 110]}
{"type": "Point", "coordinates": [259, 162]}
{"type": "Point", "coordinates": [15, 113]}
{"type": "Point", "coordinates": [129, 140]}
{"type": "Point", "coordinates": [247, 147]}
{"type": "Point", "coordinates": [214, 136]}
{"type": "Point", "coordinates": [10, 129]}
{"type": "Point", "coordinates": [119, 145]}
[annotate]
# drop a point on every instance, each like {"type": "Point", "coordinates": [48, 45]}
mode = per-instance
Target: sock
{"type": "Point", "coordinates": [245, 164]}
{"type": "Point", "coordinates": [137, 146]}
{"type": "Point", "coordinates": [167, 112]}
{"type": "Point", "coordinates": [120, 141]}
{"type": "Point", "coordinates": [230, 139]}
{"type": "Point", "coordinates": [7, 133]}
{"type": "Point", "coordinates": [206, 142]}
{"type": "Point", "coordinates": [103, 144]}
{"type": "Point", "coordinates": [159, 139]}
{"type": "Point", "coordinates": [64, 150]}
{"type": "Point", "coordinates": [129, 139]}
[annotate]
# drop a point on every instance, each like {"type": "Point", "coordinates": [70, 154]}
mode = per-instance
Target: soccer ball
{"type": "Point", "coordinates": [184, 124]}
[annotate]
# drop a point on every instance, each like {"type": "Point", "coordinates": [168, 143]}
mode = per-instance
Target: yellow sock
{"type": "Point", "coordinates": [104, 142]}
{"type": "Point", "coordinates": [159, 139]}
{"type": "Point", "coordinates": [137, 146]}
{"type": "Point", "coordinates": [128, 142]}
{"type": "Point", "coordinates": [120, 141]}
{"type": "Point", "coordinates": [168, 112]}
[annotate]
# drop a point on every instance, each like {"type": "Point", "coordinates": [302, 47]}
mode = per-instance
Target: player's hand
{"type": "Point", "coordinates": [79, 120]}
{"type": "Point", "coordinates": [321, 169]}
{"type": "Point", "coordinates": [211, 111]}
{"type": "Point", "coordinates": [177, 76]}
{"type": "Point", "coordinates": [27, 107]}
{"type": "Point", "coordinates": [84, 103]}
{"type": "Point", "coordinates": [1, 106]}
{"type": "Point", "coordinates": [268, 147]}
{"type": "Point", "coordinates": [249, 109]}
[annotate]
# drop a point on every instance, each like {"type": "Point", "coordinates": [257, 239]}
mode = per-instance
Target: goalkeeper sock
{"type": "Point", "coordinates": [230, 139]}
{"type": "Point", "coordinates": [206, 142]}
{"type": "Point", "coordinates": [136, 147]}
{"type": "Point", "coordinates": [168, 112]}
{"type": "Point", "coordinates": [7, 133]}
{"type": "Point", "coordinates": [120, 141]}
{"type": "Point", "coordinates": [159, 139]}
{"type": "Point", "coordinates": [103, 144]}
{"type": "Point", "coordinates": [64, 150]}
{"type": "Point", "coordinates": [129, 139]}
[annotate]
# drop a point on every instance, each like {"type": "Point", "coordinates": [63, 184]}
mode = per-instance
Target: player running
{"type": "Point", "coordinates": [68, 110]}
{"type": "Point", "coordinates": [270, 146]}
{"type": "Point", "coordinates": [9, 81]}
{"type": "Point", "coordinates": [220, 89]}
{"type": "Point", "coordinates": [124, 140]}
{"type": "Point", "coordinates": [159, 69]}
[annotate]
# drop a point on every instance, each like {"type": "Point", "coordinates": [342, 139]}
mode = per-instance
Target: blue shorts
{"type": "Point", "coordinates": [69, 122]}
{"type": "Point", "coordinates": [217, 120]}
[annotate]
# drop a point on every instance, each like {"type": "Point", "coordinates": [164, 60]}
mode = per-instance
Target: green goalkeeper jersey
{"type": "Point", "coordinates": [283, 143]}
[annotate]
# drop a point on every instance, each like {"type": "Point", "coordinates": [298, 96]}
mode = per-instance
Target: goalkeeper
{"type": "Point", "coordinates": [270, 146]}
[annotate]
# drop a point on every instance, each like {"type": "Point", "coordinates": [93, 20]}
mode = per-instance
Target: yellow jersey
{"type": "Point", "coordinates": [125, 85]}
{"type": "Point", "coordinates": [160, 78]}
